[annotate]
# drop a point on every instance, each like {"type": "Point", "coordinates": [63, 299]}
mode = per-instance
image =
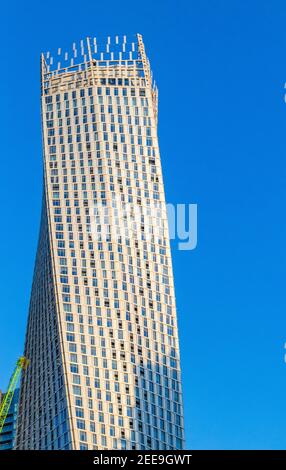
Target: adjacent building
{"type": "Point", "coordinates": [8, 434]}
{"type": "Point", "coordinates": [102, 333]}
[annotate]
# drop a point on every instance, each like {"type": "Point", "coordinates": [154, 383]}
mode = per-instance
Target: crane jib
{"type": "Point", "coordinates": [22, 363]}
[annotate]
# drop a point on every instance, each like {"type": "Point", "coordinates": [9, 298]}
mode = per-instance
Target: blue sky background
{"type": "Point", "coordinates": [220, 66]}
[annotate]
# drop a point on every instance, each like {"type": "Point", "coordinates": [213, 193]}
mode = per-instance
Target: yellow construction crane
{"type": "Point", "coordinates": [22, 363]}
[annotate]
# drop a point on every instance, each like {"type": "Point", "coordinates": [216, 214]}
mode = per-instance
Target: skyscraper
{"type": "Point", "coordinates": [102, 334]}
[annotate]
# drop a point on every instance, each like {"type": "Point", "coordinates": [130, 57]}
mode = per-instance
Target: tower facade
{"type": "Point", "coordinates": [102, 333]}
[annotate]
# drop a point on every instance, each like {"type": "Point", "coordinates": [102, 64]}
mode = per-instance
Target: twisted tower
{"type": "Point", "coordinates": [102, 332]}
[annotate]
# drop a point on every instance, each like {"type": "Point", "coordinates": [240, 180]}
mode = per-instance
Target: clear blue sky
{"type": "Point", "coordinates": [220, 66]}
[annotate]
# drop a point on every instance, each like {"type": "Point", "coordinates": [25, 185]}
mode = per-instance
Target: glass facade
{"type": "Point", "coordinates": [102, 333]}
